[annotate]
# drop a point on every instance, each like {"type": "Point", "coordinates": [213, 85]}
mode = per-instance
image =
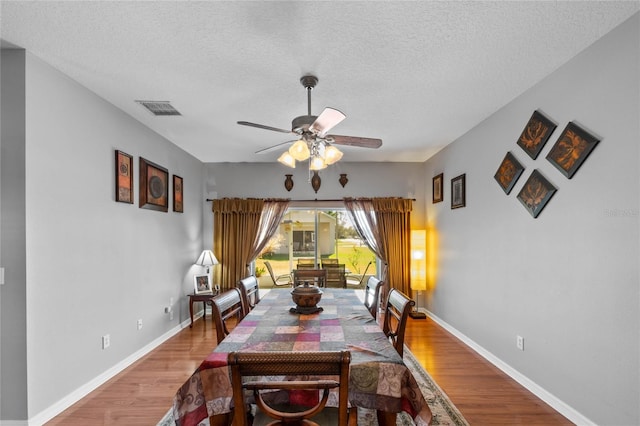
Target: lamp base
{"type": "Point", "coordinates": [417, 315]}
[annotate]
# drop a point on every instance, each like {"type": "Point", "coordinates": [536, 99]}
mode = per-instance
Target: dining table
{"type": "Point", "coordinates": [378, 377]}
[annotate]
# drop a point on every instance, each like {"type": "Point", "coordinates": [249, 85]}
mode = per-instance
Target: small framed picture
{"type": "Point", "coordinates": [573, 147]}
{"type": "Point", "coordinates": [177, 194]}
{"type": "Point", "coordinates": [458, 191]}
{"type": "Point", "coordinates": [508, 173]}
{"type": "Point", "coordinates": [124, 177]}
{"type": "Point", "coordinates": [201, 284]}
{"type": "Point", "coordinates": [536, 193]}
{"type": "Point", "coordinates": [535, 134]}
{"type": "Point", "coordinates": [437, 188]}
{"type": "Point", "coordinates": [154, 186]}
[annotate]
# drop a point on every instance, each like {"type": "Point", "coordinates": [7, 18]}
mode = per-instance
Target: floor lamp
{"type": "Point", "coordinates": [418, 268]}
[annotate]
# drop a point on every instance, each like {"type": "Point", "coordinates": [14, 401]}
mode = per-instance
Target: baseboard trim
{"type": "Point", "coordinates": [89, 387]}
{"type": "Point", "coordinates": [550, 399]}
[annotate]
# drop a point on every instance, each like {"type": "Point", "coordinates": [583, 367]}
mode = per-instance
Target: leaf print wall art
{"type": "Point", "coordinates": [536, 193]}
{"type": "Point", "coordinates": [536, 134]}
{"type": "Point", "coordinates": [508, 173]}
{"type": "Point", "coordinates": [572, 148]}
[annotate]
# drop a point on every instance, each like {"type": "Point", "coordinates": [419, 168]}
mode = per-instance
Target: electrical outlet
{"type": "Point", "coordinates": [520, 342]}
{"type": "Point", "coordinates": [171, 316]}
{"type": "Point", "coordinates": [140, 324]}
{"type": "Point", "coordinates": [106, 341]}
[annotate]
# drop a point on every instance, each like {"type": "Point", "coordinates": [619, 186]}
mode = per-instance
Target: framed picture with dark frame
{"type": "Point", "coordinates": [201, 284]}
{"type": "Point", "coordinates": [508, 173]}
{"type": "Point", "coordinates": [571, 149]}
{"type": "Point", "coordinates": [124, 177]}
{"type": "Point", "coordinates": [177, 194]}
{"type": "Point", "coordinates": [458, 192]}
{"type": "Point", "coordinates": [154, 186]}
{"type": "Point", "coordinates": [535, 134]}
{"type": "Point", "coordinates": [536, 193]}
{"type": "Point", "coordinates": [437, 188]}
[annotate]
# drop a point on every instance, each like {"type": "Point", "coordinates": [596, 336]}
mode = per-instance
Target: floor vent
{"type": "Point", "coordinates": [159, 107]}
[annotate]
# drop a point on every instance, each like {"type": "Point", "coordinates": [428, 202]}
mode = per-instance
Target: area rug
{"type": "Point", "coordinates": [443, 410]}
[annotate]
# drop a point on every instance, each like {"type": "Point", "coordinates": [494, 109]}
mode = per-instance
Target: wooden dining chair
{"type": "Point", "coordinates": [316, 372]}
{"type": "Point", "coordinates": [224, 306]}
{"type": "Point", "coordinates": [306, 263]}
{"type": "Point", "coordinates": [317, 277]}
{"type": "Point", "coordinates": [335, 275]}
{"type": "Point", "coordinates": [249, 291]}
{"type": "Point", "coordinates": [396, 314]}
{"type": "Point", "coordinates": [371, 295]}
{"type": "Point", "coordinates": [329, 261]}
{"type": "Point", "coordinates": [280, 280]}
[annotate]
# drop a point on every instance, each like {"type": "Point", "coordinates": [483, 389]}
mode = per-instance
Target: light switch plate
{"type": "Point", "coordinates": [1, 276]}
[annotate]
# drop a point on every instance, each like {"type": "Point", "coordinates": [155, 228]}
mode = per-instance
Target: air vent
{"type": "Point", "coordinates": [159, 107]}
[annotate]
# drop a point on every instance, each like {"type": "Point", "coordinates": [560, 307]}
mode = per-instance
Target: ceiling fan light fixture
{"type": "Point", "coordinates": [332, 155]}
{"type": "Point", "coordinates": [299, 150]}
{"type": "Point", "coordinates": [317, 163]}
{"type": "Point", "coordinates": [287, 160]}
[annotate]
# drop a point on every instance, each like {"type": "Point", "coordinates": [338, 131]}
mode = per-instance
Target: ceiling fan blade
{"type": "Point", "coordinates": [262, 126]}
{"type": "Point", "coordinates": [354, 141]}
{"type": "Point", "coordinates": [326, 121]}
{"type": "Point", "coordinates": [272, 147]}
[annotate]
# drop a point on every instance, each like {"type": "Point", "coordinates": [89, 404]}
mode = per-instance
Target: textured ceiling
{"type": "Point", "coordinates": [416, 74]}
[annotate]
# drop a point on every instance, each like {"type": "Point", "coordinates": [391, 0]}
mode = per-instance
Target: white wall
{"type": "Point", "coordinates": [567, 281]}
{"type": "Point", "coordinates": [95, 266]}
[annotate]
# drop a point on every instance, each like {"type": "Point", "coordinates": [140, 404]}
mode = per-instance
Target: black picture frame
{"type": "Point", "coordinates": [178, 194]}
{"type": "Point", "coordinates": [571, 149]}
{"type": "Point", "coordinates": [124, 177]}
{"type": "Point", "coordinates": [154, 186]}
{"type": "Point", "coordinates": [536, 193]}
{"type": "Point", "coordinates": [458, 192]}
{"type": "Point", "coordinates": [508, 172]}
{"type": "Point", "coordinates": [536, 134]}
{"type": "Point", "coordinates": [437, 186]}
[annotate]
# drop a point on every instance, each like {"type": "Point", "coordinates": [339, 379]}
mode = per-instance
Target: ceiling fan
{"type": "Point", "coordinates": [312, 141]}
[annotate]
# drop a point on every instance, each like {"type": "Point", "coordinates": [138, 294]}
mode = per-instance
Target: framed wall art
{"type": "Point", "coordinates": [437, 187]}
{"type": "Point", "coordinates": [458, 192]}
{"type": "Point", "coordinates": [124, 177]}
{"type": "Point", "coordinates": [154, 186]}
{"type": "Point", "coordinates": [201, 284]}
{"type": "Point", "coordinates": [573, 147]}
{"type": "Point", "coordinates": [177, 194]}
{"type": "Point", "coordinates": [536, 193]}
{"type": "Point", "coordinates": [508, 173]}
{"type": "Point", "coordinates": [535, 134]}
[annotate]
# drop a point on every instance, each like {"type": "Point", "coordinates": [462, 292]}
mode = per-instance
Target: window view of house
{"type": "Point", "coordinates": [314, 235]}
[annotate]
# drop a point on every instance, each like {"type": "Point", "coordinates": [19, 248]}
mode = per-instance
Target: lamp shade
{"type": "Point", "coordinates": [418, 259]}
{"type": "Point", "coordinates": [207, 258]}
{"type": "Point", "coordinates": [299, 150]}
{"type": "Point", "coordinates": [287, 160]}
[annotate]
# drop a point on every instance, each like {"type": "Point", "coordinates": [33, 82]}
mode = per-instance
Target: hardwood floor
{"type": "Point", "coordinates": [143, 393]}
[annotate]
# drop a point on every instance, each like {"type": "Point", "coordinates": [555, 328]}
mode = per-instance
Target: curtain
{"type": "Point", "coordinates": [272, 214]}
{"type": "Point", "coordinates": [241, 228]}
{"type": "Point", "coordinates": [385, 224]}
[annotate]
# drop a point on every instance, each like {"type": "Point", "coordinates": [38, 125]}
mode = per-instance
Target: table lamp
{"type": "Point", "coordinates": [207, 259]}
{"type": "Point", "coordinates": [418, 267]}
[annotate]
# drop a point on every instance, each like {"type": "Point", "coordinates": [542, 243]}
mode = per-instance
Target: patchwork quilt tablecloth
{"type": "Point", "coordinates": [378, 378]}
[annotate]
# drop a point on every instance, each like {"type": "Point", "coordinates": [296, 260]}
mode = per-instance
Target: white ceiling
{"type": "Point", "coordinates": [416, 74]}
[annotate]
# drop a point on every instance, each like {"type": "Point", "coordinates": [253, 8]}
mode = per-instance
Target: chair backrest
{"type": "Point", "coordinates": [306, 263]}
{"type": "Point", "coordinates": [371, 294]}
{"type": "Point", "coordinates": [223, 307]}
{"type": "Point", "coordinates": [396, 313]}
{"type": "Point", "coordinates": [329, 261]}
{"type": "Point", "coordinates": [357, 280]}
{"type": "Point", "coordinates": [318, 371]}
{"type": "Point", "coordinates": [250, 292]}
{"type": "Point", "coordinates": [317, 277]}
{"type": "Point", "coordinates": [335, 275]}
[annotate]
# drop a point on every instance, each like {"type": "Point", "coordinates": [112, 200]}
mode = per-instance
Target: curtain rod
{"type": "Point", "coordinates": [327, 200]}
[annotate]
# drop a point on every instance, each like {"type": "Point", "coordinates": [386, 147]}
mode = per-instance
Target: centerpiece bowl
{"type": "Point", "coordinates": [306, 297]}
